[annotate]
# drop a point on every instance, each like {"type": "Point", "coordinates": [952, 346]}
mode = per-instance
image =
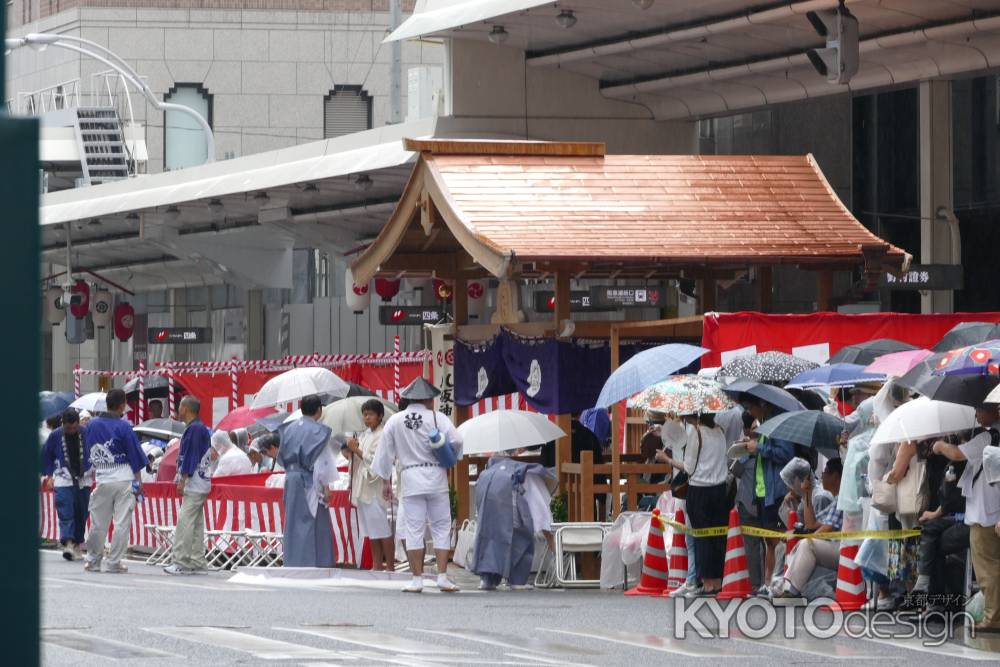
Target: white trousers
{"type": "Point", "coordinates": [807, 555]}
{"type": "Point", "coordinates": [110, 501]}
{"type": "Point", "coordinates": [373, 520]}
{"type": "Point", "coordinates": [418, 511]}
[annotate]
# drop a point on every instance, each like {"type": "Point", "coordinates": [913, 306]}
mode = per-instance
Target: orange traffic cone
{"type": "Point", "coordinates": [851, 594]}
{"type": "Point", "coordinates": [735, 576]}
{"type": "Point", "coordinates": [654, 562]}
{"type": "Point", "coordinates": [678, 558]}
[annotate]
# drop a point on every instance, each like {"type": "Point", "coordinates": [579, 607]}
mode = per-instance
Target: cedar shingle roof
{"type": "Point", "coordinates": [525, 202]}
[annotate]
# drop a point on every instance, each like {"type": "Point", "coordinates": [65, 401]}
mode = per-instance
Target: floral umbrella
{"type": "Point", "coordinates": [771, 367]}
{"type": "Point", "coordinates": [979, 359]}
{"type": "Point", "coordinates": [683, 395]}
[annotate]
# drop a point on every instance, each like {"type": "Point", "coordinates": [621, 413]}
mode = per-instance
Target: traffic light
{"type": "Point", "coordinates": [839, 61]}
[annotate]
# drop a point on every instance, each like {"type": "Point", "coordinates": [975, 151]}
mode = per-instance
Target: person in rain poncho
{"type": "Point", "coordinates": [231, 460]}
{"type": "Point", "coordinates": [512, 503]}
{"type": "Point", "coordinates": [309, 467]}
{"type": "Point", "coordinates": [370, 493]}
{"type": "Point", "coordinates": [424, 483]}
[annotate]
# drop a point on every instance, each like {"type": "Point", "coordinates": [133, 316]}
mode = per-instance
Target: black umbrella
{"type": "Point", "coordinates": [867, 352]}
{"type": "Point", "coordinates": [963, 389]}
{"type": "Point", "coordinates": [776, 396]}
{"type": "Point", "coordinates": [968, 333]}
{"type": "Point", "coordinates": [358, 390]}
{"type": "Point", "coordinates": [770, 367]}
{"type": "Point", "coordinates": [156, 387]}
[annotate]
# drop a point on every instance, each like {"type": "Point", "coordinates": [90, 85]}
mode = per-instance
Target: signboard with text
{"type": "Point", "coordinates": [579, 300]}
{"type": "Point", "coordinates": [410, 315]}
{"type": "Point", "coordinates": [627, 297]}
{"type": "Point", "coordinates": [927, 277]}
{"type": "Point", "coordinates": [179, 335]}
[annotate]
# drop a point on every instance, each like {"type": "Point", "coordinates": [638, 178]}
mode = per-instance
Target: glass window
{"type": "Point", "coordinates": [346, 109]}
{"type": "Point", "coordinates": [183, 138]}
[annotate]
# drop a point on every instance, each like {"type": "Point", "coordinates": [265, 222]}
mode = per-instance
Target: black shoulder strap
{"type": "Point", "coordinates": [994, 442]}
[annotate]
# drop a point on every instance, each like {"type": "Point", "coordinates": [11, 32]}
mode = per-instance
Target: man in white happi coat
{"type": "Point", "coordinates": [423, 481]}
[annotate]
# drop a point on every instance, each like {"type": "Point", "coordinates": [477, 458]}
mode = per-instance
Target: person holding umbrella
{"type": "Point", "coordinates": [982, 509]}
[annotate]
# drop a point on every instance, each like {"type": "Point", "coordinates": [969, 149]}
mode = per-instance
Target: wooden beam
{"type": "Point", "coordinates": [616, 443]}
{"type": "Point", "coordinates": [765, 287]}
{"type": "Point", "coordinates": [443, 264]}
{"type": "Point", "coordinates": [485, 147]}
{"type": "Point", "coordinates": [564, 446]}
{"type": "Point", "coordinates": [824, 289]}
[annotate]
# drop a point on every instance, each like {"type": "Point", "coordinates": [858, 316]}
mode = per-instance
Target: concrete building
{"type": "Point", "coordinates": [910, 143]}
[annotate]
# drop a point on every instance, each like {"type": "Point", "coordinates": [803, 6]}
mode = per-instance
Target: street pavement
{"type": "Point", "coordinates": [147, 617]}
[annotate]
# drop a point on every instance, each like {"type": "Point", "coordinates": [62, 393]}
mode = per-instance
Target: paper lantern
{"type": "Point", "coordinates": [443, 290]}
{"type": "Point", "coordinates": [102, 304]}
{"type": "Point", "coordinates": [124, 321]}
{"type": "Point", "coordinates": [478, 303]}
{"type": "Point", "coordinates": [54, 311]}
{"type": "Point", "coordinates": [387, 288]}
{"type": "Point", "coordinates": [80, 307]}
{"type": "Point", "coordinates": [358, 296]}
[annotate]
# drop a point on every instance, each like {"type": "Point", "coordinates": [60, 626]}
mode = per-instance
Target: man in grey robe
{"type": "Point", "coordinates": [308, 535]}
{"type": "Point", "coordinates": [512, 503]}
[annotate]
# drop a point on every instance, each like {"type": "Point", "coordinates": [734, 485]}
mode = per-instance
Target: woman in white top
{"type": "Point", "coordinates": [707, 501]}
{"type": "Point", "coordinates": [368, 491]}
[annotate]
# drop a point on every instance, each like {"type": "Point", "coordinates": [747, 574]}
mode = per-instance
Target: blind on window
{"type": "Point", "coordinates": [346, 111]}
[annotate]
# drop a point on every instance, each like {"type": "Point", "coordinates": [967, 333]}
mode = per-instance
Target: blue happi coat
{"type": "Point", "coordinates": [308, 539]}
{"type": "Point", "coordinates": [505, 533]}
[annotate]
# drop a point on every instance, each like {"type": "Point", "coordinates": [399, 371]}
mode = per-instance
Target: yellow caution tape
{"type": "Point", "coordinates": [720, 531]}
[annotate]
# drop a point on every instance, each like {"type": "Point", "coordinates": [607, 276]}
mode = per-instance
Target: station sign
{"type": "Point", "coordinates": [579, 301]}
{"type": "Point", "coordinates": [627, 297]}
{"type": "Point", "coordinates": [410, 315]}
{"type": "Point", "coordinates": [178, 335]}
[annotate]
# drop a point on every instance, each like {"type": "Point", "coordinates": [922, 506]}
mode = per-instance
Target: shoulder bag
{"type": "Point", "coordinates": [679, 484]}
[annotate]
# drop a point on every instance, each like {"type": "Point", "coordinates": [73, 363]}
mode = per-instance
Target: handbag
{"type": "Point", "coordinates": [884, 495]}
{"type": "Point", "coordinates": [911, 491]}
{"type": "Point", "coordinates": [443, 452]}
{"type": "Point", "coordinates": [679, 484]}
{"type": "Point", "coordinates": [465, 544]}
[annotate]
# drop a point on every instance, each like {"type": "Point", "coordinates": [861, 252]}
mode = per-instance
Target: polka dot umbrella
{"type": "Point", "coordinates": [769, 367]}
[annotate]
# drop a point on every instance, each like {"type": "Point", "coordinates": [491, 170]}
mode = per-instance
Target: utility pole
{"type": "Point", "coordinates": [396, 68]}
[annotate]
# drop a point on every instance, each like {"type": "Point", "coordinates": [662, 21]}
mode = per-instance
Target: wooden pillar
{"type": "Point", "coordinates": [460, 312]}
{"type": "Point", "coordinates": [765, 284]}
{"type": "Point", "coordinates": [586, 500]}
{"type": "Point", "coordinates": [564, 449]}
{"type": "Point", "coordinates": [616, 430]}
{"type": "Point", "coordinates": [824, 289]}
{"type": "Point", "coordinates": [708, 294]}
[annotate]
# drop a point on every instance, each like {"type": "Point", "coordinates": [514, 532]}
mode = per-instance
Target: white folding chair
{"type": "Point", "coordinates": [165, 542]}
{"type": "Point", "coordinates": [572, 539]}
{"type": "Point", "coordinates": [158, 546]}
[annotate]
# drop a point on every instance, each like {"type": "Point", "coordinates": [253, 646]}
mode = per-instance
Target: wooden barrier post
{"type": "Point", "coordinates": [586, 501]}
{"type": "Point", "coordinates": [460, 479]}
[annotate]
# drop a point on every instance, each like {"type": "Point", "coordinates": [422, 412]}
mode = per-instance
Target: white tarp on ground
{"type": "Point", "coordinates": [312, 577]}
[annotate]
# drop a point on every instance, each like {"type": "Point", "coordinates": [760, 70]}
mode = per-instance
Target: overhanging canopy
{"type": "Point", "coordinates": [525, 208]}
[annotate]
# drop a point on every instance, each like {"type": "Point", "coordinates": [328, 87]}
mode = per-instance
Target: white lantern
{"type": "Point", "coordinates": [101, 306]}
{"type": "Point", "coordinates": [358, 296]}
{"type": "Point", "coordinates": [54, 311]}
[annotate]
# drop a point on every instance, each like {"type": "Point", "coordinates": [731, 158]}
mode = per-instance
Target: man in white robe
{"type": "Point", "coordinates": [423, 481]}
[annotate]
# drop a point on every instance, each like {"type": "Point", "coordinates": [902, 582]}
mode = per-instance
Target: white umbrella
{"type": "Point", "coordinates": [297, 383]}
{"type": "Point", "coordinates": [924, 418]}
{"type": "Point", "coordinates": [507, 429]}
{"type": "Point", "coordinates": [344, 416]}
{"type": "Point", "coordinates": [93, 402]}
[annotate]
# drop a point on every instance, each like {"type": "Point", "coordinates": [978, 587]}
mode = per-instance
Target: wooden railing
{"type": "Point", "coordinates": [583, 493]}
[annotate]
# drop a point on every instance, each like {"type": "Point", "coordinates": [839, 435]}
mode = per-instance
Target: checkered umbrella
{"type": "Point", "coordinates": [772, 367]}
{"type": "Point", "coordinates": [683, 395]}
{"type": "Point", "coordinates": [646, 369]}
{"type": "Point", "coordinates": [810, 428]}
{"type": "Point", "coordinates": [867, 352]}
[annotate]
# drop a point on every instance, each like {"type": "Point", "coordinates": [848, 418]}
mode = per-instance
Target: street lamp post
{"type": "Point", "coordinates": [110, 59]}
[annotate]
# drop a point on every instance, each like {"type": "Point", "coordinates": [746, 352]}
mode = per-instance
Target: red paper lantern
{"type": "Point", "coordinates": [387, 288]}
{"type": "Point", "coordinates": [80, 310]}
{"type": "Point", "coordinates": [476, 290]}
{"type": "Point", "coordinates": [443, 290]}
{"type": "Point", "coordinates": [124, 321]}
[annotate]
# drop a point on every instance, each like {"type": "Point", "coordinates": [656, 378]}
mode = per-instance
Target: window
{"type": "Point", "coordinates": [183, 138]}
{"type": "Point", "coordinates": [346, 109]}
{"type": "Point", "coordinates": [322, 282]}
